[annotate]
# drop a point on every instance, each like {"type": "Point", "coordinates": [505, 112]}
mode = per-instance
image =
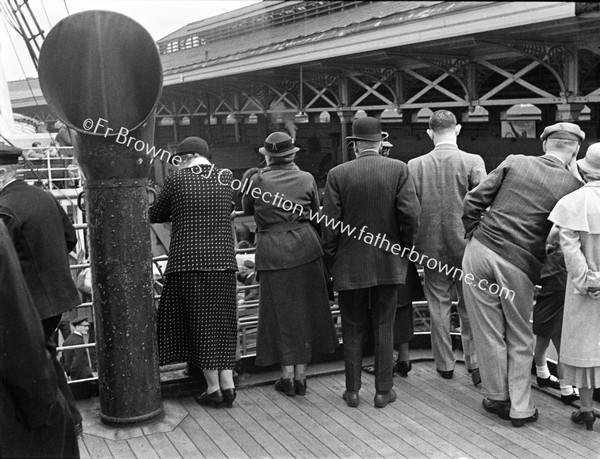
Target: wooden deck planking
{"type": "Point", "coordinates": [532, 437]}
{"type": "Point", "coordinates": [255, 430]}
{"type": "Point", "coordinates": [432, 417]}
{"type": "Point", "coordinates": [315, 425]}
{"type": "Point", "coordinates": [211, 421]}
{"type": "Point", "coordinates": [83, 451]}
{"type": "Point", "coordinates": [322, 417]}
{"type": "Point", "coordinates": [435, 426]}
{"type": "Point", "coordinates": [466, 418]}
{"type": "Point", "coordinates": [185, 447]}
{"type": "Point", "coordinates": [142, 448]}
{"type": "Point", "coordinates": [163, 446]}
{"type": "Point", "coordinates": [330, 406]}
{"type": "Point", "coordinates": [201, 439]}
{"type": "Point", "coordinates": [120, 449]}
{"type": "Point", "coordinates": [359, 418]}
{"type": "Point", "coordinates": [468, 403]}
{"type": "Point", "coordinates": [398, 427]}
{"type": "Point", "coordinates": [97, 447]}
{"type": "Point", "coordinates": [279, 432]}
{"type": "Point", "coordinates": [263, 395]}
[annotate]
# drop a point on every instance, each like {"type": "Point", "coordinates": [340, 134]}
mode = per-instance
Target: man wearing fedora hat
{"type": "Point", "coordinates": [371, 195]}
{"type": "Point", "coordinates": [506, 222]}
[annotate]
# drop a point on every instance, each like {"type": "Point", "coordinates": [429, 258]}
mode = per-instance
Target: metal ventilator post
{"type": "Point", "coordinates": [100, 70]}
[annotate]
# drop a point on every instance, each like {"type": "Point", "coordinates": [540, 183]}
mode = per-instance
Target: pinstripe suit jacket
{"type": "Point", "coordinates": [372, 194]}
{"type": "Point", "coordinates": [521, 192]}
{"type": "Point", "coordinates": [442, 178]}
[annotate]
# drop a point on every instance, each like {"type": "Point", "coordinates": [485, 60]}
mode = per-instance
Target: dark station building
{"type": "Point", "coordinates": [506, 69]}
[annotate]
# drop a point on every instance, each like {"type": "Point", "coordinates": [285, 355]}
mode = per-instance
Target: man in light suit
{"type": "Point", "coordinates": [442, 178]}
{"type": "Point", "coordinates": [506, 220]}
{"type": "Point", "coordinates": [371, 213]}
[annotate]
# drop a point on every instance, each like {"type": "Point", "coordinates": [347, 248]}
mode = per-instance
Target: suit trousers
{"type": "Point", "coordinates": [500, 321]}
{"type": "Point", "coordinates": [362, 309]}
{"type": "Point", "coordinates": [438, 291]}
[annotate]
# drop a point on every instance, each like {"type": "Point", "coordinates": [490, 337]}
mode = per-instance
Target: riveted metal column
{"type": "Point", "coordinates": [109, 103]}
{"type": "Point", "coordinates": [120, 250]}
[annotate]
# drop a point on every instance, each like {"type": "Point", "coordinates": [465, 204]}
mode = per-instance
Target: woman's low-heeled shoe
{"type": "Point", "coordinates": [584, 417]}
{"type": "Point", "coordinates": [286, 386]}
{"type": "Point", "coordinates": [214, 398]}
{"type": "Point", "coordinates": [229, 397]}
{"type": "Point", "coordinates": [403, 367]}
{"type": "Point", "coordinates": [300, 386]}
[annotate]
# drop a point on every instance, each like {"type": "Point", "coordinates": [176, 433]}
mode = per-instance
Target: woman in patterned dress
{"type": "Point", "coordinates": [294, 318]}
{"type": "Point", "coordinates": [196, 318]}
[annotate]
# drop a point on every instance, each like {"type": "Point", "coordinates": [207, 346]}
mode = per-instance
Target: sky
{"type": "Point", "coordinates": [159, 17]}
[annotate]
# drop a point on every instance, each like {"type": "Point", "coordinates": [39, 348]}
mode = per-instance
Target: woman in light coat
{"type": "Point", "coordinates": [577, 216]}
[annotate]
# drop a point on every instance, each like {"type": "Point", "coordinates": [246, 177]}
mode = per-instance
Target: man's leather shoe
{"type": "Point", "coordinates": [351, 398]}
{"type": "Point", "coordinates": [383, 398]}
{"type": "Point", "coordinates": [446, 374]}
{"type": "Point", "coordinates": [498, 407]}
{"type": "Point", "coordinates": [475, 376]}
{"type": "Point", "coordinates": [520, 422]}
{"type": "Point", "coordinates": [402, 368]}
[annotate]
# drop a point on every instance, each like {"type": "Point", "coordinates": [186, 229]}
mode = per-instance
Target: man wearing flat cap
{"type": "Point", "coordinates": [506, 222]}
{"type": "Point", "coordinates": [374, 199]}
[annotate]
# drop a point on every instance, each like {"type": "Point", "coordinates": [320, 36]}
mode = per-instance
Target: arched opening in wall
{"type": "Point", "coordinates": [422, 116]}
{"type": "Point", "coordinates": [391, 115]}
{"type": "Point", "coordinates": [519, 121]}
{"type": "Point", "coordinates": [476, 114]}
{"type": "Point", "coordinates": [324, 117]}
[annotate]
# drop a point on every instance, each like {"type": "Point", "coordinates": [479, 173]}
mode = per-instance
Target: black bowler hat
{"type": "Point", "coordinates": [278, 144]}
{"type": "Point", "coordinates": [192, 145]}
{"type": "Point", "coordinates": [366, 128]}
{"type": "Point", "coordinates": [80, 321]}
{"type": "Point", "coordinates": [9, 155]}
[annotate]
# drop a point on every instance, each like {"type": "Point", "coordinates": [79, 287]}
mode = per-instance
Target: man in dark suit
{"type": "Point", "coordinates": [35, 420]}
{"type": "Point", "coordinates": [506, 220]}
{"type": "Point", "coordinates": [442, 178]}
{"type": "Point", "coordinates": [371, 213]}
{"type": "Point", "coordinates": [43, 236]}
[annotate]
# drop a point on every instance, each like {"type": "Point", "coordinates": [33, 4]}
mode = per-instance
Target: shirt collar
{"type": "Point", "coordinates": [447, 142]}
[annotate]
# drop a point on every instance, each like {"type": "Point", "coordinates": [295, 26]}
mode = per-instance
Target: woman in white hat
{"type": "Point", "coordinates": [294, 319]}
{"type": "Point", "coordinates": [577, 217]}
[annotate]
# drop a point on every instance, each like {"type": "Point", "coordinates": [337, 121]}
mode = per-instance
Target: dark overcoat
{"type": "Point", "coordinates": [43, 236]}
{"type": "Point", "coordinates": [371, 212]}
{"type": "Point", "coordinates": [34, 418]}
